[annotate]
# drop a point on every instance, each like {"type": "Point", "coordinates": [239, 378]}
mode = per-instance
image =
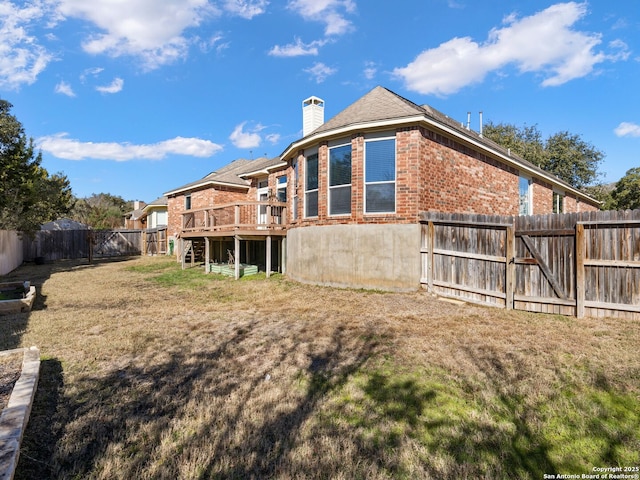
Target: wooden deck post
{"type": "Point", "coordinates": [207, 254]}
{"type": "Point", "coordinates": [510, 267]}
{"type": "Point", "coordinates": [580, 276]}
{"type": "Point", "coordinates": [268, 256]}
{"type": "Point", "coordinates": [283, 255]}
{"type": "Point", "coordinates": [236, 246]}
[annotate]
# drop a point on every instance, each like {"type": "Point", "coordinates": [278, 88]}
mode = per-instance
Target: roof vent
{"type": "Point", "coordinates": [312, 114]}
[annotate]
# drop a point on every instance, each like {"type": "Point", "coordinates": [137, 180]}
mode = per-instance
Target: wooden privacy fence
{"type": "Point", "coordinates": [582, 264]}
{"type": "Point", "coordinates": [52, 245]}
{"type": "Point", "coordinates": [155, 241]}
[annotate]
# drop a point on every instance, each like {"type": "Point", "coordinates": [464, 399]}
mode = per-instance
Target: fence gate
{"type": "Point", "coordinates": [113, 243]}
{"type": "Point", "coordinates": [572, 264]}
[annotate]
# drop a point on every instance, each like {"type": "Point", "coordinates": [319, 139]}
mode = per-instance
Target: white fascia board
{"type": "Point", "coordinates": [264, 171]}
{"type": "Point", "coordinates": [394, 123]}
{"type": "Point", "coordinates": [204, 184]}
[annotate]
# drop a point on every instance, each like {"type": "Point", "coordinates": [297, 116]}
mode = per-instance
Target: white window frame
{"type": "Point", "coordinates": [376, 138]}
{"type": "Point", "coordinates": [333, 145]}
{"type": "Point", "coordinates": [187, 202]}
{"type": "Point", "coordinates": [529, 181]}
{"type": "Point", "coordinates": [294, 196]}
{"type": "Point", "coordinates": [316, 190]}
{"type": "Point", "coordinates": [262, 194]}
{"type": "Point", "coordinates": [557, 195]}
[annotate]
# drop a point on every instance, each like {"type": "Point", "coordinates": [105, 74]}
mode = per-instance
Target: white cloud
{"type": "Point", "coordinates": [65, 89]}
{"type": "Point", "coordinates": [248, 139]}
{"type": "Point", "coordinates": [246, 8]}
{"type": "Point", "coordinates": [273, 138]}
{"type": "Point", "coordinates": [61, 146]}
{"type": "Point", "coordinates": [370, 70]}
{"type": "Point", "coordinates": [22, 58]}
{"type": "Point", "coordinates": [297, 49]}
{"type": "Point", "coordinates": [627, 129]}
{"type": "Point", "coordinates": [149, 29]}
{"type": "Point", "coordinates": [113, 87]}
{"type": "Point", "coordinates": [320, 71]}
{"type": "Point", "coordinates": [330, 12]}
{"type": "Point", "coordinates": [543, 43]}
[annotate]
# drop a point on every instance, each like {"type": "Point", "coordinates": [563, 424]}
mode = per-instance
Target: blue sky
{"type": "Point", "coordinates": [137, 97]}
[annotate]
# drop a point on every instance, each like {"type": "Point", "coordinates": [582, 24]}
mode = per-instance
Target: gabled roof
{"type": "Point", "coordinates": [233, 174]}
{"type": "Point", "coordinates": [383, 109]}
{"type": "Point", "coordinates": [379, 104]}
{"type": "Point", "coordinates": [157, 203]}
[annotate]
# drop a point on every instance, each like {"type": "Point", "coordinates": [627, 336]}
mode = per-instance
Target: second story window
{"type": "Point", "coordinates": [281, 192]}
{"type": "Point", "coordinates": [187, 202]}
{"type": "Point", "coordinates": [311, 186]}
{"type": "Point", "coordinates": [340, 180]}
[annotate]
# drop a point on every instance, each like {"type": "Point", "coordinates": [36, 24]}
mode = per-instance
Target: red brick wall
{"type": "Point", "coordinates": [433, 173]}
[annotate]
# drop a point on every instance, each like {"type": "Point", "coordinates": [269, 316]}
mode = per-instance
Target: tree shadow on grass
{"type": "Point", "coordinates": [40, 438]}
{"type": "Point", "coordinates": [123, 417]}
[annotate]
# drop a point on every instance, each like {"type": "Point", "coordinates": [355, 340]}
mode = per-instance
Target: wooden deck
{"type": "Point", "coordinates": [245, 219]}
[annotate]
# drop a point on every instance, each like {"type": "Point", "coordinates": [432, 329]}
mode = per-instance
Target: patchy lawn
{"type": "Point", "coordinates": [151, 372]}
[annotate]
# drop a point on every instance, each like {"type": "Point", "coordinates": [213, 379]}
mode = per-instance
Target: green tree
{"type": "Point", "coordinates": [29, 196]}
{"type": "Point", "coordinates": [563, 154]}
{"type": "Point", "coordinates": [626, 194]}
{"type": "Point", "coordinates": [101, 211]}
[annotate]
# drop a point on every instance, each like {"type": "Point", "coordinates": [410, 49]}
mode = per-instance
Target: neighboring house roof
{"type": "Point", "coordinates": [64, 224]}
{"type": "Point", "coordinates": [382, 108]}
{"type": "Point", "coordinates": [134, 215]}
{"type": "Point", "coordinates": [233, 174]}
{"type": "Point", "coordinates": [158, 203]}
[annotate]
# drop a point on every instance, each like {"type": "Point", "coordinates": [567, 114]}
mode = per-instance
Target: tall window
{"type": "Point", "coordinates": [281, 189]}
{"type": "Point", "coordinates": [187, 202]}
{"type": "Point", "coordinates": [525, 197]}
{"type": "Point", "coordinates": [340, 180]}
{"type": "Point", "coordinates": [380, 176]}
{"type": "Point", "coordinates": [558, 202]}
{"type": "Point", "coordinates": [294, 213]}
{"type": "Point", "coordinates": [311, 186]}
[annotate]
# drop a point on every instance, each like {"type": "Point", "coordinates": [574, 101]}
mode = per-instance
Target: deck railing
{"type": "Point", "coordinates": [256, 215]}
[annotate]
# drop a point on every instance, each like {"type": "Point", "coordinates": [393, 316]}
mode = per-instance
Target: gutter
{"type": "Point", "coordinates": [394, 123]}
{"type": "Point", "coordinates": [204, 184]}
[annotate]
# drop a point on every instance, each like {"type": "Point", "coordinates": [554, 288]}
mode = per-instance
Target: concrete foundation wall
{"type": "Point", "coordinates": [11, 255]}
{"type": "Point", "coordinates": [385, 257]}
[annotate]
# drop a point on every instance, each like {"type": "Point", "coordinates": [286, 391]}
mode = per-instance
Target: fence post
{"type": "Point", "coordinates": [580, 276]}
{"type": "Point", "coordinates": [510, 267]}
{"type": "Point", "coordinates": [430, 246]}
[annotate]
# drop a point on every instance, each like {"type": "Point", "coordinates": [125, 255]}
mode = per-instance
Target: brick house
{"type": "Point", "coordinates": [343, 202]}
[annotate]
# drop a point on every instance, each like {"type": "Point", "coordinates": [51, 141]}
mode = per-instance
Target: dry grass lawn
{"type": "Point", "coordinates": [150, 372]}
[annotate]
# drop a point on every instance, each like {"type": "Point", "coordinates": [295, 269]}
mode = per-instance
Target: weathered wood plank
{"type": "Point", "coordinates": [544, 267]}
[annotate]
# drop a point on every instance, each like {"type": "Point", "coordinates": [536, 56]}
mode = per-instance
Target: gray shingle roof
{"type": "Point", "coordinates": [378, 104]}
{"type": "Point", "coordinates": [231, 174]}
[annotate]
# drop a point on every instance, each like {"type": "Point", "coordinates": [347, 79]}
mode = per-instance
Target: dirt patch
{"type": "Point", "coordinates": [10, 371]}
